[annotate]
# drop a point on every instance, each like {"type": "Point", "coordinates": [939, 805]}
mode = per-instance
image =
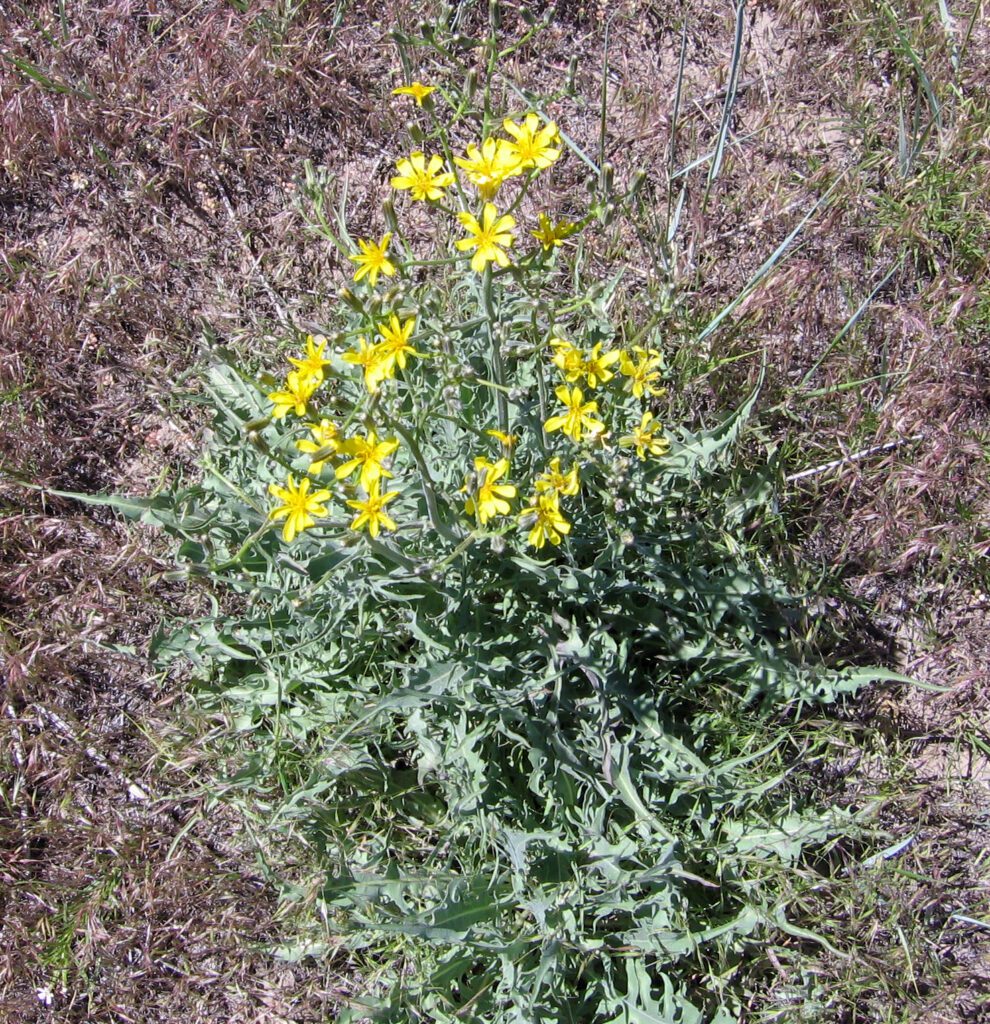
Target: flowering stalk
{"type": "Point", "coordinates": [498, 366]}
{"type": "Point", "coordinates": [429, 489]}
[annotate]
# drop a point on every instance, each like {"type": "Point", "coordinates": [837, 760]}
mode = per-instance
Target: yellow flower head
{"type": "Point", "coordinates": [507, 441]}
{"type": "Point", "coordinates": [372, 259]}
{"type": "Point", "coordinates": [395, 341]}
{"type": "Point", "coordinates": [543, 519]}
{"type": "Point", "coordinates": [575, 364]}
{"type": "Point", "coordinates": [486, 497]}
{"type": "Point", "coordinates": [489, 166]}
{"type": "Point", "coordinates": [580, 415]}
{"type": "Point", "coordinates": [312, 362]}
{"type": "Point", "coordinates": [551, 235]}
{"type": "Point", "coordinates": [299, 508]}
{"type": "Point", "coordinates": [555, 481]}
{"type": "Point", "coordinates": [371, 511]}
{"type": "Point", "coordinates": [417, 90]}
{"type": "Point", "coordinates": [326, 441]}
{"type": "Point", "coordinates": [642, 371]}
{"type": "Point", "coordinates": [533, 146]}
{"type": "Point", "coordinates": [487, 237]}
{"type": "Point", "coordinates": [367, 454]}
{"type": "Point", "coordinates": [298, 391]}
{"type": "Point", "coordinates": [567, 359]}
{"type": "Point", "coordinates": [596, 366]}
{"type": "Point", "coordinates": [373, 360]}
{"type": "Point", "coordinates": [644, 438]}
{"type": "Point", "coordinates": [424, 180]}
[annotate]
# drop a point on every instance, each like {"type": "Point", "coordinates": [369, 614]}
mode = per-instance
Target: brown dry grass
{"type": "Point", "coordinates": [147, 191]}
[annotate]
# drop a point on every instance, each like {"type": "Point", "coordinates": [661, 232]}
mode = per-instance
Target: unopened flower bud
{"type": "Point", "coordinates": [497, 544]}
{"type": "Point", "coordinates": [571, 73]}
{"type": "Point", "coordinates": [388, 210]}
{"type": "Point", "coordinates": [350, 299]}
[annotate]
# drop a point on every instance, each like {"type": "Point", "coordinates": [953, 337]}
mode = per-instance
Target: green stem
{"type": "Point", "coordinates": [492, 45]}
{"type": "Point", "coordinates": [389, 553]}
{"type": "Point", "coordinates": [541, 387]}
{"type": "Point", "coordinates": [498, 367]}
{"type": "Point", "coordinates": [429, 489]}
{"type": "Point", "coordinates": [449, 157]}
{"type": "Point", "coordinates": [243, 549]}
{"type": "Point", "coordinates": [460, 549]}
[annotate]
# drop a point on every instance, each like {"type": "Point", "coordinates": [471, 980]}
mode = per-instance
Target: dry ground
{"type": "Point", "coordinates": [151, 154]}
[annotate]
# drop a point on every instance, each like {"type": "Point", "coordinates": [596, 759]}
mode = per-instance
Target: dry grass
{"type": "Point", "coordinates": [150, 162]}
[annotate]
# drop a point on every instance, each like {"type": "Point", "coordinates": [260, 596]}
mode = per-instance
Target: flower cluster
{"type": "Point", "coordinates": [380, 361]}
{"type": "Point", "coordinates": [357, 464]}
{"type": "Point", "coordinates": [532, 146]}
{"type": "Point", "coordinates": [362, 456]}
{"type": "Point", "coordinates": [579, 418]}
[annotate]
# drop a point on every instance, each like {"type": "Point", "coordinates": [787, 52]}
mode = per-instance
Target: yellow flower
{"type": "Point", "coordinates": [298, 391]}
{"type": "Point", "coordinates": [555, 481]}
{"type": "Point", "coordinates": [395, 341]}
{"type": "Point", "coordinates": [298, 507]}
{"type": "Point", "coordinates": [424, 180]}
{"type": "Point", "coordinates": [489, 166]}
{"type": "Point", "coordinates": [508, 441]}
{"type": "Point", "coordinates": [368, 455]}
{"type": "Point", "coordinates": [642, 371]}
{"type": "Point", "coordinates": [371, 511]}
{"type": "Point", "coordinates": [486, 496]}
{"type": "Point", "coordinates": [326, 439]}
{"type": "Point", "coordinates": [644, 438]}
{"type": "Point", "coordinates": [533, 146]}
{"type": "Point", "coordinates": [551, 235]}
{"type": "Point", "coordinates": [596, 366]}
{"type": "Point", "coordinates": [575, 364]}
{"type": "Point", "coordinates": [567, 359]}
{"type": "Point", "coordinates": [417, 90]}
{"type": "Point", "coordinates": [544, 521]}
{"type": "Point", "coordinates": [487, 237]}
{"type": "Point", "coordinates": [372, 359]}
{"type": "Point", "coordinates": [580, 415]}
{"type": "Point", "coordinates": [312, 362]}
{"type": "Point", "coordinates": [372, 260]}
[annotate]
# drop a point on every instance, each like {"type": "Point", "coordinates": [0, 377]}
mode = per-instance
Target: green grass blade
{"type": "Point", "coordinates": [912, 56]}
{"type": "Point", "coordinates": [768, 264]}
{"type": "Point", "coordinates": [949, 25]}
{"type": "Point", "coordinates": [678, 93]}
{"type": "Point", "coordinates": [730, 100]}
{"type": "Point", "coordinates": [849, 324]}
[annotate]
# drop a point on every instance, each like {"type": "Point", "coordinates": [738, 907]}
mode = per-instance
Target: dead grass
{"type": "Point", "coordinates": [150, 163]}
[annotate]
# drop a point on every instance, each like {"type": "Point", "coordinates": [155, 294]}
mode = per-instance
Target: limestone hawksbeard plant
{"type": "Point", "coordinates": [499, 627]}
